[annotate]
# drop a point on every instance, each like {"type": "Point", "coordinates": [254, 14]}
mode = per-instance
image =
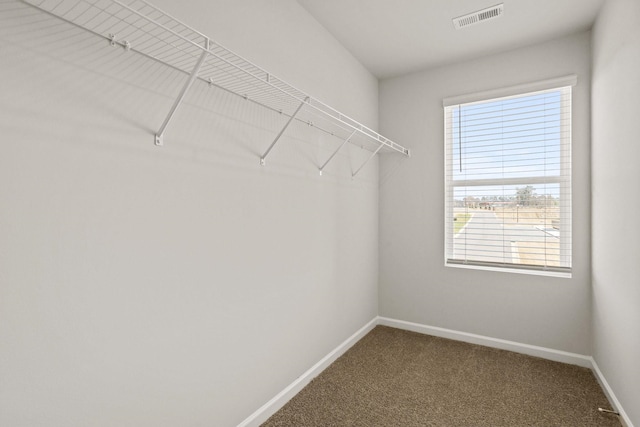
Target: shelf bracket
{"type": "Point", "coordinates": [194, 74]}
{"type": "Point", "coordinates": [293, 116]}
{"type": "Point", "coordinates": [367, 161]}
{"type": "Point", "coordinates": [336, 152]}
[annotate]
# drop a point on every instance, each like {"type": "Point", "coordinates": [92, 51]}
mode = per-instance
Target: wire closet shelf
{"type": "Point", "coordinates": [138, 26]}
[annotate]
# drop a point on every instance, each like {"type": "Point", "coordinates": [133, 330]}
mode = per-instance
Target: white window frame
{"type": "Point", "coordinates": [564, 179]}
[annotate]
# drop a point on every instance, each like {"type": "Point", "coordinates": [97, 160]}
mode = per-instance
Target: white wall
{"type": "Point", "coordinates": [616, 234]}
{"type": "Point", "coordinates": [183, 285]}
{"type": "Point", "coordinates": [414, 284]}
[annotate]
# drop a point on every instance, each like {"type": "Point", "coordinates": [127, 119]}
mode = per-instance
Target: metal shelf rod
{"type": "Point", "coordinates": [367, 161]}
{"type": "Point", "coordinates": [155, 22]}
{"type": "Point", "coordinates": [266, 153]}
{"type": "Point", "coordinates": [110, 39]}
{"type": "Point", "coordinates": [159, 36]}
{"type": "Point", "coordinates": [336, 151]}
{"type": "Point", "coordinates": [160, 134]}
{"type": "Point", "coordinates": [340, 117]}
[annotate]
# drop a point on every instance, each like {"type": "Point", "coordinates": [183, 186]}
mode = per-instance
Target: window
{"type": "Point", "coordinates": [508, 179]}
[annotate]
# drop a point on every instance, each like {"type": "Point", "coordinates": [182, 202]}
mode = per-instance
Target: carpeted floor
{"type": "Point", "coordinates": [398, 378]}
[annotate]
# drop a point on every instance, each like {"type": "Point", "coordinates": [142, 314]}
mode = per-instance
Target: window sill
{"type": "Point", "coordinates": [522, 270]}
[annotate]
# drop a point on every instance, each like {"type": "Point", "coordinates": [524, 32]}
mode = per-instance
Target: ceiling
{"type": "Point", "coordinates": [394, 37]}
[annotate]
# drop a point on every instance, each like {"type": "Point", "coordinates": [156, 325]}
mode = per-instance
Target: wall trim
{"type": "Point", "coordinates": [608, 391]}
{"type": "Point", "coordinates": [570, 80]}
{"type": "Point", "coordinates": [531, 350]}
{"type": "Point", "coordinates": [273, 405]}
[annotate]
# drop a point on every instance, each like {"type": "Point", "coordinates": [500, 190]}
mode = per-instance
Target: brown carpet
{"type": "Point", "coordinates": [398, 378]}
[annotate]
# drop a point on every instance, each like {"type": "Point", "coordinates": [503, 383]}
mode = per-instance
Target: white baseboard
{"type": "Point", "coordinates": [531, 350]}
{"type": "Point", "coordinates": [615, 403]}
{"type": "Point", "coordinates": [272, 406]}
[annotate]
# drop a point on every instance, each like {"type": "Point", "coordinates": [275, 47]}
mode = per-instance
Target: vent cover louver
{"type": "Point", "coordinates": [478, 16]}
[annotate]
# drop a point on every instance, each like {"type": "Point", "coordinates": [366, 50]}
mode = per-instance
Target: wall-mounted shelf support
{"type": "Point", "coordinates": [183, 92]}
{"type": "Point", "coordinates": [113, 42]}
{"type": "Point", "coordinates": [367, 161]}
{"type": "Point", "coordinates": [293, 116]}
{"type": "Point", "coordinates": [146, 30]}
{"type": "Point", "coordinates": [337, 149]}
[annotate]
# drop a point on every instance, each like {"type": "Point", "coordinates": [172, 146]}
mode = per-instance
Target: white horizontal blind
{"type": "Point", "coordinates": [508, 182]}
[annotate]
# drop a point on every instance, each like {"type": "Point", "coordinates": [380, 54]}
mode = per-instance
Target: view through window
{"type": "Point", "coordinates": [508, 182]}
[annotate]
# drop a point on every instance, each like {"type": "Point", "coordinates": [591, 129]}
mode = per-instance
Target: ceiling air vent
{"type": "Point", "coordinates": [479, 16]}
